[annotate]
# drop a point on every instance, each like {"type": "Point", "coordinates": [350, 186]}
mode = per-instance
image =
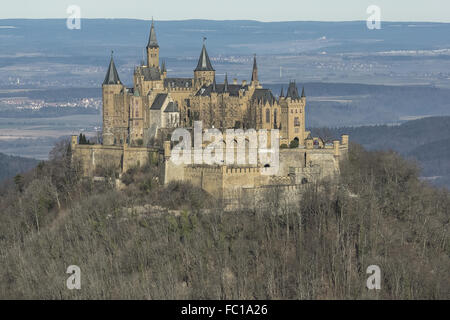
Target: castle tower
{"type": "Point", "coordinates": [293, 115]}
{"type": "Point", "coordinates": [204, 73]}
{"type": "Point", "coordinates": [111, 86]}
{"type": "Point", "coordinates": [152, 49]}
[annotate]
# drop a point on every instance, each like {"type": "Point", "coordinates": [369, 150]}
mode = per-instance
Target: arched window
{"type": "Point", "coordinates": [267, 116]}
{"type": "Point", "coordinates": [275, 117]}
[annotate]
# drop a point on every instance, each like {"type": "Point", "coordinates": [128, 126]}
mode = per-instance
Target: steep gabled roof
{"type": "Point", "coordinates": [233, 89]}
{"type": "Point", "coordinates": [152, 42]}
{"type": "Point", "coordinates": [159, 101]}
{"type": "Point", "coordinates": [171, 107]}
{"type": "Point", "coordinates": [263, 96]}
{"type": "Point", "coordinates": [204, 64]}
{"type": "Point", "coordinates": [112, 76]}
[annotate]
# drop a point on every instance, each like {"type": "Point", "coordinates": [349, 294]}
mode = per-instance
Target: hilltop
{"type": "Point", "coordinates": [175, 242]}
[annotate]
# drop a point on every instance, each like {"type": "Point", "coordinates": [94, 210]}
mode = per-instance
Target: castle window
{"type": "Point", "coordinates": [267, 116]}
{"type": "Point", "coordinates": [275, 116]}
{"type": "Point", "coordinates": [297, 122]}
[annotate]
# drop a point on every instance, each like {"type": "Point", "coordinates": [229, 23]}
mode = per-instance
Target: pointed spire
{"type": "Point", "coordinates": [282, 92]}
{"type": "Point", "coordinates": [152, 42]}
{"type": "Point", "coordinates": [112, 76]}
{"type": "Point", "coordinates": [204, 64]}
{"type": "Point", "coordinates": [255, 70]}
{"type": "Point", "coordinates": [214, 85]}
{"type": "Point", "coordinates": [163, 69]}
{"type": "Point", "coordinates": [225, 84]}
{"type": "Point", "coordinates": [303, 93]}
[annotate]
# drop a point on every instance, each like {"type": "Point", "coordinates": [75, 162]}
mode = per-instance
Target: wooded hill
{"type": "Point", "coordinates": [11, 166]}
{"type": "Point", "coordinates": [175, 242]}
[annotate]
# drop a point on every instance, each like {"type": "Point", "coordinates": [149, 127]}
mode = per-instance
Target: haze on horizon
{"type": "Point", "coordinates": [263, 10]}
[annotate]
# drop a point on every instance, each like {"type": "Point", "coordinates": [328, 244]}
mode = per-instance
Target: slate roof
{"type": "Point", "coordinates": [159, 101]}
{"type": "Point", "coordinates": [112, 76]}
{"type": "Point", "coordinates": [172, 107]}
{"type": "Point", "coordinates": [292, 91]}
{"type": "Point", "coordinates": [150, 74]}
{"type": "Point", "coordinates": [233, 89]}
{"type": "Point", "coordinates": [263, 96]}
{"type": "Point", "coordinates": [178, 82]}
{"type": "Point", "coordinates": [152, 42]}
{"type": "Point", "coordinates": [204, 64]}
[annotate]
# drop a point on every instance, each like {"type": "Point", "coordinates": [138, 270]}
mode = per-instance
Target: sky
{"type": "Point", "coordinates": [261, 10]}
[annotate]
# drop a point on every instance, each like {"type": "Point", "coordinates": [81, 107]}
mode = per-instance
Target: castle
{"type": "Point", "coordinates": [137, 122]}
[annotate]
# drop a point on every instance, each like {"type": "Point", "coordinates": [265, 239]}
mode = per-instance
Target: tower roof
{"type": "Point", "coordinates": [214, 85]}
{"type": "Point", "coordinates": [163, 69]}
{"type": "Point", "coordinates": [152, 42]}
{"type": "Point", "coordinates": [112, 76]}
{"type": "Point", "coordinates": [282, 92]}
{"type": "Point", "coordinates": [204, 64]}
{"type": "Point", "coordinates": [292, 91]}
{"type": "Point", "coordinates": [303, 93]}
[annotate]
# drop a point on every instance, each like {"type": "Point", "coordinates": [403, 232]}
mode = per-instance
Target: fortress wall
{"type": "Point", "coordinates": [137, 157]}
{"type": "Point", "coordinates": [208, 178]}
{"type": "Point", "coordinates": [291, 158]}
{"type": "Point", "coordinates": [94, 156]}
{"type": "Point", "coordinates": [235, 178]}
{"type": "Point", "coordinates": [172, 172]}
{"type": "Point", "coordinates": [120, 158]}
{"type": "Point", "coordinates": [326, 161]}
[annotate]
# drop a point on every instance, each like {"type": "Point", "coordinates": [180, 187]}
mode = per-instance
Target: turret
{"type": "Point", "coordinates": [152, 48]}
{"type": "Point", "coordinates": [164, 70]}
{"type": "Point", "coordinates": [214, 85]}
{"type": "Point", "coordinates": [225, 83]}
{"type": "Point", "coordinates": [204, 73]}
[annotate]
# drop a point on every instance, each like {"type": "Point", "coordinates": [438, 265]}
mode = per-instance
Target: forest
{"type": "Point", "coordinates": [10, 166]}
{"type": "Point", "coordinates": [150, 241]}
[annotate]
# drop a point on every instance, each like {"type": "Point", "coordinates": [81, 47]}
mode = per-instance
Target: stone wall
{"type": "Point", "coordinates": [117, 158]}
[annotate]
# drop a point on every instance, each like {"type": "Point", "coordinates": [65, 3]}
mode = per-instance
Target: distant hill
{"type": "Point", "coordinates": [425, 140]}
{"type": "Point", "coordinates": [10, 166]}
